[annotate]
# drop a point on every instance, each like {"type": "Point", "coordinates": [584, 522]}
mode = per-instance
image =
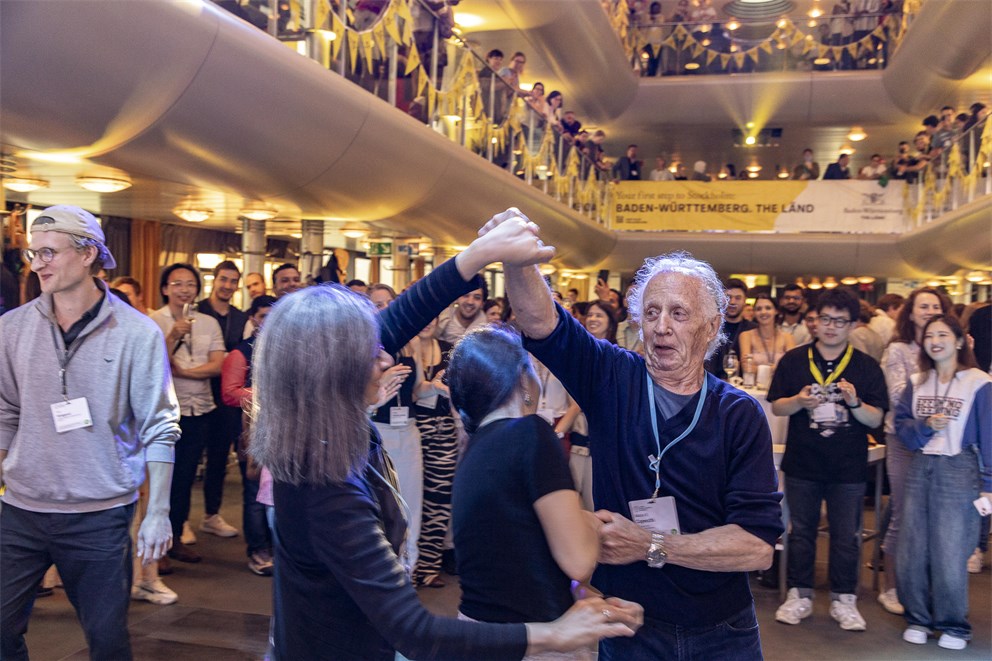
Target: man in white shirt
{"type": "Point", "coordinates": [661, 171]}
{"type": "Point", "coordinates": [790, 307]}
{"type": "Point", "coordinates": [464, 316]}
{"type": "Point", "coordinates": [196, 350]}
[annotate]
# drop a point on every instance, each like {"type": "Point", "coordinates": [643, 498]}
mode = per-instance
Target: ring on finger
{"type": "Point", "coordinates": [606, 614]}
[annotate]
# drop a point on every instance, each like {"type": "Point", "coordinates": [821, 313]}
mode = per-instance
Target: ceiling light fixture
{"type": "Point", "coordinates": [580, 276]}
{"type": "Point", "coordinates": [815, 11]}
{"type": "Point", "coordinates": [781, 23]}
{"type": "Point", "coordinates": [24, 184]}
{"type": "Point", "coordinates": [814, 283]}
{"type": "Point", "coordinates": [857, 134]}
{"type": "Point", "coordinates": [975, 276]}
{"type": "Point", "coordinates": [692, 66]}
{"type": "Point", "coordinates": [732, 25]}
{"type": "Point", "coordinates": [783, 174]}
{"type": "Point", "coordinates": [468, 20]}
{"type": "Point", "coordinates": [750, 140]}
{"type": "Point", "coordinates": [866, 279]}
{"type": "Point", "coordinates": [258, 211]}
{"type": "Point", "coordinates": [191, 213]}
{"type": "Point", "coordinates": [754, 167]}
{"type": "Point", "coordinates": [104, 184]}
{"type": "Point", "coordinates": [830, 282]}
{"type": "Point", "coordinates": [821, 61]}
{"type": "Point", "coordinates": [849, 280]}
{"type": "Point", "coordinates": [752, 175]}
{"type": "Point", "coordinates": [847, 149]}
{"type": "Point", "coordinates": [354, 230]}
{"type": "Point", "coordinates": [934, 283]}
{"type": "Point", "coordinates": [547, 269]}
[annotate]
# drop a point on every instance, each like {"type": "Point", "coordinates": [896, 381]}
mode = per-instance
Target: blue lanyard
{"type": "Point", "coordinates": [654, 462]}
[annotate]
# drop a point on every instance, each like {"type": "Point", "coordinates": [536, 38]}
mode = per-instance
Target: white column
{"type": "Point", "coordinates": [252, 250]}
{"type": "Point", "coordinates": [311, 248]}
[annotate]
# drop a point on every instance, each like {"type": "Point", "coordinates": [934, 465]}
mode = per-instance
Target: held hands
{"type": "Point", "coordinates": [621, 541]}
{"type": "Point", "coordinates": [512, 238]}
{"type": "Point", "coordinates": [589, 620]}
{"type": "Point", "coordinates": [154, 538]}
{"type": "Point", "coordinates": [847, 391]}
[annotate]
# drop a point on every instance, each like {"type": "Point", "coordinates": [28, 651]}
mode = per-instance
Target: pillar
{"type": "Point", "coordinates": [252, 250]}
{"type": "Point", "coordinates": [311, 248]}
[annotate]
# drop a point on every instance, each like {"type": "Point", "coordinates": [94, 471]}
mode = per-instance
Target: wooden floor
{"type": "Point", "coordinates": [223, 613]}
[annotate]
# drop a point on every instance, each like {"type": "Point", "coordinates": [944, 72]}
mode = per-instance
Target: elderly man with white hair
{"type": "Point", "coordinates": [683, 476]}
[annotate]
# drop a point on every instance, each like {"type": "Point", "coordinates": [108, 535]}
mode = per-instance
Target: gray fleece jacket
{"type": "Point", "coordinates": [119, 364]}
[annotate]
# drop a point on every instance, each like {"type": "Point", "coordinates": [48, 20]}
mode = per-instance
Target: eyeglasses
{"type": "Point", "coordinates": [839, 322]}
{"type": "Point", "coordinates": [46, 255]}
{"type": "Point", "coordinates": [792, 297]}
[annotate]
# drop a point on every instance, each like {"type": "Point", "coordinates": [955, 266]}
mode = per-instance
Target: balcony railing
{"type": "Point", "coordinates": [460, 97]}
{"type": "Point", "coordinates": [729, 45]}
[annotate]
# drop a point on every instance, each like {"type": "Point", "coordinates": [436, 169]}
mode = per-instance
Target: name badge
{"type": "Point", "coordinates": [825, 412]}
{"type": "Point", "coordinates": [74, 414]}
{"type": "Point", "coordinates": [399, 416]}
{"type": "Point", "coordinates": [656, 515]}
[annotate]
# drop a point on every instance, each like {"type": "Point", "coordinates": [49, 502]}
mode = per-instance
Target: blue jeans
{"type": "Point", "coordinates": [941, 526]}
{"type": "Point", "coordinates": [92, 552]}
{"type": "Point", "coordinates": [844, 509]}
{"type": "Point", "coordinates": [253, 520]}
{"type": "Point", "coordinates": [734, 639]}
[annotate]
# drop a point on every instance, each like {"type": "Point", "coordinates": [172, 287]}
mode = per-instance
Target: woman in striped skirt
{"type": "Point", "coordinates": [439, 441]}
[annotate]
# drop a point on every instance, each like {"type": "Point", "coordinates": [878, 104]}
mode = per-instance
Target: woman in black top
{"type": "Point", "coordinates": [519, 528]}
{"type": "Point", "coordinates": [339, 589]}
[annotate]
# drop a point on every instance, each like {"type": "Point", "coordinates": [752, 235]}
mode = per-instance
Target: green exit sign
{"type": "Point", "coordinates": [380, 249]}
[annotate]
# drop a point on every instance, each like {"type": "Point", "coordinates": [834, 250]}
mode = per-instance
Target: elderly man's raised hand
{"type": "Point", "coordinates": [508, 237]}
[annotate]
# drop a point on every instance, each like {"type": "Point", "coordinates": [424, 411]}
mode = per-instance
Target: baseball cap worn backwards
{"type": "Point", "coordinates": [78, 222]}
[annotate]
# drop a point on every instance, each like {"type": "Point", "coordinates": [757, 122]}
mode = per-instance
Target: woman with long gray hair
{"type": "Point", "coordinates": [340, 589]}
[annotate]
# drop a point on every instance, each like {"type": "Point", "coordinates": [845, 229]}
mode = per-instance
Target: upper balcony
{"type": "Point", "coordinates": [315, 145]}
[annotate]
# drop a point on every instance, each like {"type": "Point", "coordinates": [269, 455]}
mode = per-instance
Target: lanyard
{"type": "Point", "coordinates": [654, 463]}
{"type": "Point", "coordinates": [64, 356]}
{"type": "Point", "coordinates": [941, 403]}
{"type": "Point", "coordinates": [815, 371]}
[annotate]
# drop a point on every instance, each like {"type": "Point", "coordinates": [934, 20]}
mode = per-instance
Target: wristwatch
{"type": "Point", "coordinates": [856, 404]}
{"type": "Point", "coordinates": [657, 556]}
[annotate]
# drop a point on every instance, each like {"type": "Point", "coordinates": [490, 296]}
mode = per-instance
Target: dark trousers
{"type": "Point", "coordinates": [227, 428]}
{"type": "Point", "coordinates": [844, 509]}
{"type": "Point", "coordinates": [92, 552]}
{"type": "Point", "coordinates": [196, 429]}
{"type": "Point", "coordinates": [734, 639]}
{"type": "Point", "coordinates": [255, 525]}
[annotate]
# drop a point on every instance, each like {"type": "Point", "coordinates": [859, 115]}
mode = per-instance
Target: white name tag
{"type": "Point", "coordinates": [74, 414]}
{"type": "Point", "coordinates": [825, 412]}
{"type": "Point", "coordinates": [656, 515]}
{"type": "Point", "coordinates": [398, 416]}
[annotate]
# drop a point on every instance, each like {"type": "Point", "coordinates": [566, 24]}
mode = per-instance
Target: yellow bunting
{"type": "Point", "coordinates": [388, 23]}
{"type": "Point", "coordinates": [403, 9]}
{"type": "Point", "coordinates": [766, 46]}
{"type": "Point", "coordinates": [321, 12]}
{"type": "Point", "coordinates": [339, 40]}
{"type": "Point", "coordinates": [295, 11]}
{"type": "Point", "coordinates": [368, 48]}
{"type": "Point", "coordinates": [352, 47]}
{"type": "Point", "coordinates": [753, 54]}
{"type": "Point", "coordinates": [797, 37]}
{"type": "Point", "coordinates": [822, 50]}
{"type": "Point", "coordinates": [724, 60]}
{"type": "Point", "coordinates": [739, 59]}
{"type": "Point", "coordinates": [680, 32]}
{"type": "Point", "coordinates": [412, 59]}
{"type": "Point", "coordinates": [710, 56]}
{"type": "Point", "coordinates": [431, 101]}
{"type": "Point", "coordinates": [697, 49]}
{"type": "Point", "coordinates": [379, 36]}
{"type": "Point", "coordinates": [670, 42]}
{"type": "Point", "coordinates": [852, 49]}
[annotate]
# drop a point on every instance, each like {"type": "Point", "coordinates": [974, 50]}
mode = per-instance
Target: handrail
{"type": "Point", "coordinates": [954, 178]}
{"type": "Point", "coordinates": [720, 46]}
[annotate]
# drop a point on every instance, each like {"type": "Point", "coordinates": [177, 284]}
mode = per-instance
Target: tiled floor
{"type": "Point", "coordinates": [223, 609]}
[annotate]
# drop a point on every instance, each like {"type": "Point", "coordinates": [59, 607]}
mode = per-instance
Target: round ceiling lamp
{"type": "Point", "coordinates": [258, 211]}
{"type": "Point", "coordinates": [191, 212]}
{"type": "Point", "coordinates": [24, 184]}
{"type": "Point", "coordinates": [354, 230]}
{"type": "Point", "coordinates": [857, 134]}
{"type": "Point", "coordinates": [849, 280]}
{"type": "Point", "coordinates": [98, 184]}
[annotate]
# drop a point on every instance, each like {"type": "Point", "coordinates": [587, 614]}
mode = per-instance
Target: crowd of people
{"type": "Point", "coordinates": [558, 440]}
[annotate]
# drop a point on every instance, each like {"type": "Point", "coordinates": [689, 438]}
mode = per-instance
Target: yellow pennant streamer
{"type": "Point", "coordinates": [710, 56]}
{"type": "Point", "coordinates": [379, 36]}
{"type": "Point", "coordinates": [852, 49]}
{"type": "Point", "coordinates": [352, 47]}
{"type": "Point", "coordinates": [389, 21]}
{"type": "Point", "coordinates": [368, 48]}
{"type": "Point", "coordinates": [412, 59]}
{"type": "Point", "coordinates": [338, 40]}
{"type": "Point", "coordinates": [767, 47]}
{"type": "Point", "coordinates": [753, 54]}
{"type": "Point", "coordinates": [739, 59]}
{"type": "Point", "coordinates": [321, 13]}
{"type": "Point", "coordinates": [697, 49]}
{"type": "Point", "coordinates": [724, 60]}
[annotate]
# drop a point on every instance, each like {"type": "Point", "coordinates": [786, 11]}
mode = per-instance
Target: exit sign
{"type": "Point", "coordinates": [380, 249]}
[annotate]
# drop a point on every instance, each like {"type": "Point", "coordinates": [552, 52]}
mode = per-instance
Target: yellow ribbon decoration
{"type": "Point", "coordinates": [815, 371]}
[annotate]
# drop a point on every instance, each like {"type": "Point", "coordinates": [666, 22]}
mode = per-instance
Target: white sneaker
{"type": "Point", "coordinates": [890, 602]}
{"type": "Point", "coordinates": [844, 610]}
{"type": "Point", "coordinates": [153, 591]}
{"type": "Point", "coordinates": [188, 537]}
{"type": "Point", "coordinates": [916, 635]}
{"type": "Point", "coordinates": [976, 562]}
{"type": "Point", "coordinates": [795, 608]}
{"type": "Point", "coordinates": [215, 525]}
{"type": "Point", "coordinates": [949, 642]}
